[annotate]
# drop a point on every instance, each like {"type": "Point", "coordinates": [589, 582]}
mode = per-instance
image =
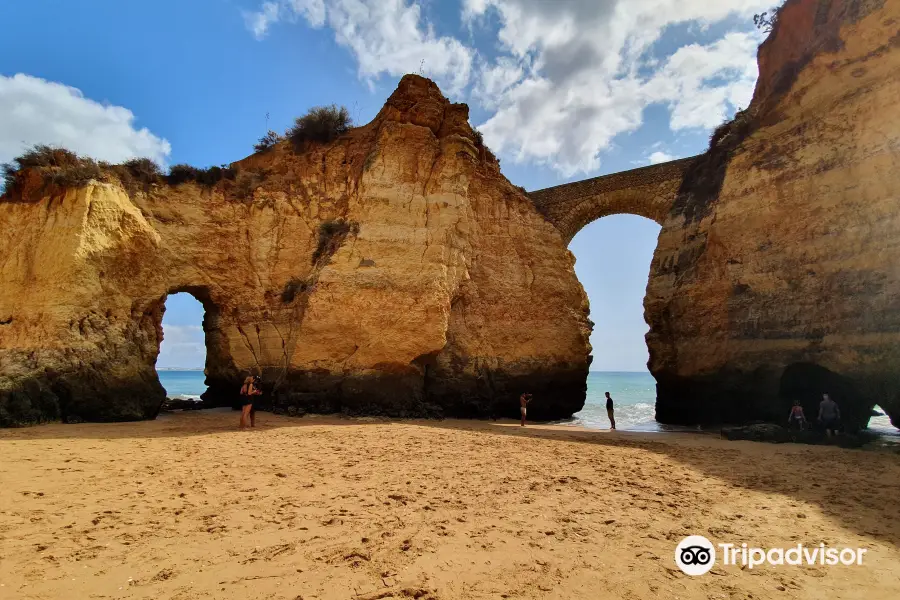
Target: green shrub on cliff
{"type": "Point", "coordinates": [321, 124]}
{"type": "Point", "coordinates": [65, 168]}
{"type": "Point", "coordinates": [182, 173]}
{"type": "Point", "coordinates": [135, 174]}
{"type": "Point", "coordinates": [144, 170]}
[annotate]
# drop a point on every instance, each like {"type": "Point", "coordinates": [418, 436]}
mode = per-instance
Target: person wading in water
{"type": "Point", "coordinates": [610, 412]}
{"type": "Point", "coordinates": [249, 390]}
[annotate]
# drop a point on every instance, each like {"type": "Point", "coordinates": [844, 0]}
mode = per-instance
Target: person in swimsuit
{"type": "Point", "coordinates": [610, 412]}
{"type": "Point", "coordinates": [829, 415]}
{"type": "Point", "coordinates": [524, 399]}
{"type": "Point", "coordinates": [249, 390]}
{"type": "Point", "coordinates": [797, 420]}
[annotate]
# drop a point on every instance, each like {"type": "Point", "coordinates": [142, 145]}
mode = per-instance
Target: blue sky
{"type": "Point", "coordinates": [561, 90]}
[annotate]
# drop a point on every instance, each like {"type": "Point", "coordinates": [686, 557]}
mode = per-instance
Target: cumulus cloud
{"type": "Point", "coordinates": [561, 79]}
{"type": "Point", "coordinates": [36, 111]}
{"type": "Point", "coordinates": [182, 346]}
{"type": "Point", "coordinates": [659, 157]}
{"type": "Point", "coordinates": [588, 74]}
{"type": "Point", "coordinates": [385, 36]}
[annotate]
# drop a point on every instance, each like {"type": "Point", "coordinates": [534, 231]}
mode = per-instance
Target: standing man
{"type": "Point", "coordinates": [609, 411]}
{"type": "Point", "coordinates": [524, 399]}
{"type": "Point", "coordinates": [829, 415]}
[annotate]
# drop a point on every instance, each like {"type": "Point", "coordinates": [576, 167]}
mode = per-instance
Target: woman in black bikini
{"type": "Point", "coordinates": [248, 391]}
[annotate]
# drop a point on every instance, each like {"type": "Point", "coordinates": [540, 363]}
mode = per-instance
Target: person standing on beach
{"type": "Point", "coordinates": [829, 415]}
{"type": "Point", "coordinates": [249, 389]}
{"type": "Point", "coordinates": [610, 412]}
{"type": "Point", "coordinates": [524, 399]}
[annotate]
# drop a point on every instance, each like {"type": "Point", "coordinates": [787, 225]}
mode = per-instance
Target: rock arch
{"type": "Point", "coordinates": [779, 250]}
{"type": "Point", "coordinates": [383, 273]}
{"type": "Point", "coordinates": [647, 192]}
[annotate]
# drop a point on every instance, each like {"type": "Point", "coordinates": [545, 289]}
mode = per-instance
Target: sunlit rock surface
{"type": "Point", "coordinates": [777, 274]}
{"type": "Point", "coordinates": [394, 271]}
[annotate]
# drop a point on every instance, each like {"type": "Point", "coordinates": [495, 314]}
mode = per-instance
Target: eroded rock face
{"type": "Point", "coordinates": [394, 271]}
{"type": "Point", "coordinates": [776, 277]}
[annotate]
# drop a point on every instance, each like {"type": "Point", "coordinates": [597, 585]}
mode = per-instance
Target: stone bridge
{"type": "Point", "coordinates": [648, 192]}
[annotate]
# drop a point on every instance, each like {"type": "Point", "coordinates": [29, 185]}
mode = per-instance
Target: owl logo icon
{"type": "Point", "coordinates": [695, 555]}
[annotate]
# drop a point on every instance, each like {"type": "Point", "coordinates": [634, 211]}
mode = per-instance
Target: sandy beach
{"type": "Point", "coordinates": [188, 507]}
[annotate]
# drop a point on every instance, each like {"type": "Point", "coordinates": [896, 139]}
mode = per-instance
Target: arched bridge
{"type": "Point", "coordinates": [648, 192]}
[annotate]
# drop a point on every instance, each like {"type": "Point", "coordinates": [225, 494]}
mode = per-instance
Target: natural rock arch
{"type": "Point", "coordinates": [382, 273]}
{"type": "Point", "coordinates": [455, 293]}
{"type": "Point", "coordinates": [219, 368]}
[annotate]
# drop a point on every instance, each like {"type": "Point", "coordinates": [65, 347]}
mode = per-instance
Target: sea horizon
{"type": "Point", "coordinates": [633, 392]}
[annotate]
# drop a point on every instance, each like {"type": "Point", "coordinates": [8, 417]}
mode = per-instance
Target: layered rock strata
{"type": "Point", "coordinates": [776, 276]}
{"type": "Point", "coordinates": [396, 271]}
{"type": "Point", "coordinates": [393, 271]}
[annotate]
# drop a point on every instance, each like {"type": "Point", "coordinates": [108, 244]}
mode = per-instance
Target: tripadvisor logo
{"type": "Point", "coordinates": [696, 555]}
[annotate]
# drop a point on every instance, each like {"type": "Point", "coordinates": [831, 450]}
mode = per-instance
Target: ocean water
{"type": "Point", "coordinates": [183, 384]}
{"type": "Point", "coordinates": [634, 395]}
{"type": "Point", "coordinates": [634, 398]}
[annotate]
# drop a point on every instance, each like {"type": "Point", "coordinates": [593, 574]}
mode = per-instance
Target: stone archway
{"type": "Point", "coordinates": [647, 192]}
{"type": "Point", "coordinates": [446, 258]}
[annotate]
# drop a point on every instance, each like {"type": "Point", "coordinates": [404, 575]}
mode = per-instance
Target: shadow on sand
{"type": "Point", "coordinates": [853, 494]}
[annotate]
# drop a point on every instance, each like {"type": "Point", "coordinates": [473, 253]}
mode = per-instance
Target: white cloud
{"type": "Point", "coordinates": [258, 22]}
{"type": "Point", "coordinates": [182, 346]}
{"type": "Point", "coordinates": [684, 81]}
{"type": "Point", "coordinates": [586, 76]}
{"type": "Point", "coordinates": [180, 335]}
{"type": "Point", "coordinates": [659, 157]}
{"type": "Point", "coordinates": [566, 76]}
{"type": "Point", "coordinates": [36, 111]}
{"type": "Point", "coordinates": [385, 36]}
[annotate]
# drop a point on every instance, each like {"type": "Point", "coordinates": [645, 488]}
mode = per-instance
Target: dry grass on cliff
{"type": "Point", "coordinates": [331, 237]}
{"type": "Point", "coordinates": [64, 168]}
{"type": "Point", "coordinates": [267, 142]}
{"type": "Point", "coordinates": [56, 165]}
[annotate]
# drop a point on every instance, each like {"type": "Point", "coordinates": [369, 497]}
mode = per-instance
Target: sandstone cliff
{"type": "Point", "coordinates": [394, 271]}
{"type": "Point", "coordinates": [776, 277]}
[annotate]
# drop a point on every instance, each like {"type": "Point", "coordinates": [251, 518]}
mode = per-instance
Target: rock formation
{"type": "Point", "coordinates": [776, 275]}
{"type": "Point", "coordinates": [396, 271]}
{"type": "Point", "coordinates": [393, 271]}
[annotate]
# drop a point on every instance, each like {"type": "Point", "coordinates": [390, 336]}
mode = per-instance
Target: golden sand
{"type": "Point", "coordinates": [188, 507]}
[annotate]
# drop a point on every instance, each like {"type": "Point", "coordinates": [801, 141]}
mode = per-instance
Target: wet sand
{"type": "Point", "coordinates": [187, 507]}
